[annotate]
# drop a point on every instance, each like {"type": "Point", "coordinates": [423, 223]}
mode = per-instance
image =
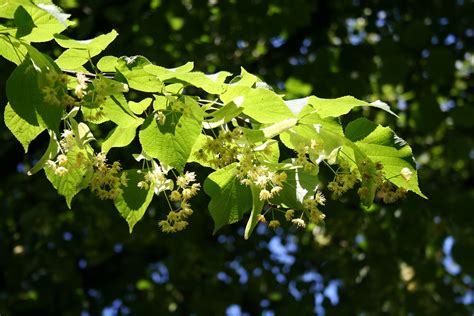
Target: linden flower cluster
{"type": "Point", "coordinates": [58, 166]}
{"type": "Point", "coordinates": [54, 92]}
{"type": "Point", "coordinates": [289, 214]}
{"type": "Point", "coordinates": [269, 182]}
{"type": "Point", "coordinates": [81, 86]}
{"type": "Point", "coordinates": [157, 179]}
{"type": "Point", "coordinates": [310, 205]}
{"type": "Point", "coordinates": [160, 117]}
{"type": "Point", "coordinates": [177, 220]}
{"type": "Point", "coordinates": [223, 150]}
{"type": "Point", "coordinates": [390, 194]}
{"type": "Point", "coordinates": [67, 142]}
{"type": "Point", "coordinates": [343, 182]}
{"type": "Point", "coordinates": [107, 180]}
{"type": "Point", "coordinates": [302, 152]}
{"type": "Point", "coordinates": [273, 224]}
{"type": "Point", "coordinates": [310, 208]}
{"type": "Point", "coordinates": [94, 98]}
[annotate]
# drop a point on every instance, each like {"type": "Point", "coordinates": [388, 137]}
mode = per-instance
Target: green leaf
{"type": "Point", "coordinates": [106, 86]}
{"type": "Point", "coordinates": [23, 21]}
{"type": "Point", "coordinates": [327, 133]}
{"type": "Point", "coordinates": [30, 77]}
{"type": "Point", "coordinates": [245, 79]}
{"type": "Point", "coordinates": [328, 139]}
{"type": "Point", "coordinates": [83, 134]}
{"type": "Point", "coordinates": [171, 142]}
{"type": "Point", "coordinates": [262, 105]}
{"type": "Point", "coordinates": [8, 7]}
{"type": "Point", "coordinates": [25, 78]}
{"type": "Point", "coordinates": [119, 137]}
{"type": "Point", "coordinates": [75, 179]}
{"type": "Point", "coordinates": [98, 43]}
{"type": "Point", "coordinates": [116, 108]}
{"type": "Point", "coordinates": [257, 206]}
{"type": "Point", "coordinates": [39, 23]}
{"type": "Point", "coordinates": [107, 63]}
{"type": "Point", "coordinates": [223, 115]}
{"type": "Point", "coordinates": [132, 70]}
{"type": "Point", "coordinates": [51, 151]}
{"type": "Point", "coordinates": [299, 184]}
{"type": "Point", "coordinates": [269, 151]}
{"type": "Point", "coordinates": [340, 106]}
{"type": "Point", "coordinates": [20, 128]}
{"type": "Point", "coordinates": [198, 145]}
{"type": "Point", "coordinates": [139, 107]}
{"type": "Point", "coordinates": [229, 198]}
{"type": "Point", "coordinates": [212, 84]}
{"type": "Point", "coordinates": [134, 201]}
{"type": "Point", "coordinates": [73, 58]}
{"type": "Point", "coordinates": [12, 50]}
{"type": "Point", "coordinates": [168, 73]}
{"type": "Point", "coordinates": [381, 144]}
{"type": "Point", "coordinates": [80, 52]}
{"type": "Point", "coordinates": [93, 114]}
{"type": "Point", "coordinates": [260, 135]}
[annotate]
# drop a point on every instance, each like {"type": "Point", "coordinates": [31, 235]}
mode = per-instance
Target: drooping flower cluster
{"type": "Point", "coordinates": [222, 150]}
{"type": "Point", "coordinates": [107, 180]}
{"type": "Point", "coordinates": [302, 152]}
{"type": "Point", "coordinates": [269, 182]}
{"type": "Point", "coordinates": [186, 189]}
{"type": "Point", "coordinates": [55, 91]}
{"type": "Point", "coordinates": [310, 209]}
{"type": "Point", "coordinates": [156, 178]}
{"type": "Point", "coordinates": [390, 193]}
{"type": "Point", "coordinates": [81, 86]}
{"type": "Point", "coordinates": [343, 182]}
{"type": "Point", "coordinates": [58, 165]}
{"type": "Point", "coordinates": [66, 143]}
{"type": "Point", "coordinates": [68, 140]}
{"type": "Point", "coordinates": [160, 117]}
{"type": "Point", "coordinates": [310, 206]}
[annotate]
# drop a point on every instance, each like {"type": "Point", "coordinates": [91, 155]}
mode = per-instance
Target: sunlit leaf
{"type": "Point", "coordinates": [134, 201]}
{"type": "Point", "coordinates": [229, 199]}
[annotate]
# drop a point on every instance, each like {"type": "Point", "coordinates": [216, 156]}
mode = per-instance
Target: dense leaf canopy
{"type": "Point", "coordinates": [412, 257]}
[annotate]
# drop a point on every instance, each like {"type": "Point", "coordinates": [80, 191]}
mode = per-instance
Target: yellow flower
{"type": "Point", "coordinates": [160, 117]}
{"type": "Point", "coordinates": [289, 214]}
{"type": "Point", "coordinates": [61, 171]}
{"type": "Point", "coordinates": [261, 181]}
{"type": "Point", "coordinates": [275, 190]}
{"type": "Point", "coordinates": [265, 195]}
{"type": "Point", "coordinates": [320, 198]}
{"type": "Point", "coordinates": [299, 222]}
{"type": "Point", "coordinates": [143, 185]}
{"type": "Point", "coordinates": [187, 194]}
{"type": "Point", "coordinates": [316, 215]}
{"type": "Point", "coordinates": [274, 224]}
{"type": "Point", "coordinates": [175, 196]}
{"type": "Point", "coordinates": [181, 181]}
{"type": "Point", "coordinates": [406, 174]}
{"type": "Point", "coordinates": [51, 164]}
{"type": "Point", "coordinates": [261, 218]}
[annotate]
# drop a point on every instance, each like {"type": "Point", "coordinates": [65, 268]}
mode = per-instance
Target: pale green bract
{"type": "Point", "coordinates": [231, 130]}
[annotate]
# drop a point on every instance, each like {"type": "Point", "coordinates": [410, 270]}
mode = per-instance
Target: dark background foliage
{"type": "Point", "coordinates": [415, 257]}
